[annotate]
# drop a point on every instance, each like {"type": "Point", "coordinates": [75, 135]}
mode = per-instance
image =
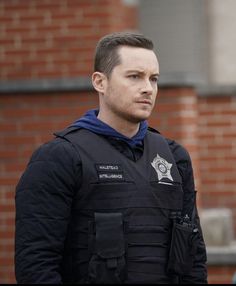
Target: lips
{"type": "Point", "coordinates": [145, 101]}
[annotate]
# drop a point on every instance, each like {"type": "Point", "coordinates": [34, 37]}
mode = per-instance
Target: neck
{"type": "Point", "coordinates": [124, 127]}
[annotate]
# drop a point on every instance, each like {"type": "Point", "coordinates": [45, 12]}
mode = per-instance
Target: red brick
{"type": "Point", "coordinates": [15, 113]}
{"type": "Point", "coordinates": [7, 154]}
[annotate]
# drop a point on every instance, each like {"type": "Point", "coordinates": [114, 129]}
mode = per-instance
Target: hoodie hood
{"type": "Point", "coordinates": [91, 122]}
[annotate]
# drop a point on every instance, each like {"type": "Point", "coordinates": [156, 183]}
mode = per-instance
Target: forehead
{"type": "Point", "coordinates": [138, 58]}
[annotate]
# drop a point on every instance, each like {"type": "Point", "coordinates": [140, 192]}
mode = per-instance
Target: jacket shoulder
{"type": "Point", "coordinates": [58, 149]}
{"type": "Point", "coordinates": [179, 151]}
{"type": "Point", "coordinates": [66, 131]}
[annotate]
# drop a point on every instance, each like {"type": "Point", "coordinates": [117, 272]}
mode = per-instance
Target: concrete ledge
{"type": "Point", "coordinates": [217, 226]}
{"type": "Point", "coordinates": [174, 79]}
{"type": "Point", "coordinates": [216, 90]}
{"type": "Point", "coordinates": [83, 84]}
{"type": "Point", "coordinates": [224, 255]}
{"type": "Point", "coordinates": [46, 85]}
{"type": "Point", "coordinates": [180, 79]}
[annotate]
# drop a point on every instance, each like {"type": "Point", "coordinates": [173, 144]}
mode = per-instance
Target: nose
{"type": "Point", "coordinates": [147, 87]}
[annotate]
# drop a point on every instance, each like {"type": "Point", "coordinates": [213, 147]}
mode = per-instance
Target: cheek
{"type": "Point", "coordinates": [155, 92]}
{"type": "Point", "coordinates": [120, 93]}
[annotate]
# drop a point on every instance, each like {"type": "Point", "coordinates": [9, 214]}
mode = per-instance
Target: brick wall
{"type": "Point", "coordinates": [221, 274]}
{"type": "Point", "coordinates": [217, 151]}
{"type": "Point", "coordinates": [50, 39]}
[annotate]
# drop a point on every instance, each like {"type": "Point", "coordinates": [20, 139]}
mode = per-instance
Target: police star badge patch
{"type": "Point", "coordinates": [162, 167]}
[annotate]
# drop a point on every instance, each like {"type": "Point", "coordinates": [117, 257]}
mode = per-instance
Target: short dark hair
{"type": "Point", "coordinates": [106, 55]}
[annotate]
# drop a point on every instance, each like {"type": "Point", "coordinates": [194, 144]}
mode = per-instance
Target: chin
{"type": "Point", "coordinates": [142, 116]}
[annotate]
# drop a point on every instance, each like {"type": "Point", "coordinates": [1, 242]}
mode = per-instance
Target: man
{"type": "Point", "coordinates": [110, 200]}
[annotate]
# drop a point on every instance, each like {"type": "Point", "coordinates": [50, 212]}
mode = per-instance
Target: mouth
{"type": "Point", "coordinates": [145, 101]}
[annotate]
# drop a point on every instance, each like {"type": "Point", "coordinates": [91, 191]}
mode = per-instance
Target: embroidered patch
{"type": "Point", "coordinates": [162, 167]}
{"type": "Point", "coordinates": [111, 176]}
{"type": "Point", "coordinates": [109, 172]}
{"type": "Point", "coordinates": [108, 167]}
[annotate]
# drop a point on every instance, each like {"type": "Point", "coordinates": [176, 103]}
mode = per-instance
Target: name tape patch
{"type": "Point", "coordinates": [110, 172]}
{"type": "Point", "coordinates": [111, 176]}
{"type": "Point", "coordinates": [108, 167]}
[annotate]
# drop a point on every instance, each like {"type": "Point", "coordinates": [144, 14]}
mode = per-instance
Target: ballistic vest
{"type": "Point", "coordinates": [121, 217]}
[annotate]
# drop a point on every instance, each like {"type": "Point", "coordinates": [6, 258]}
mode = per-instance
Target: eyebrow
{"type": "Point", "coordinates": [141, 72]}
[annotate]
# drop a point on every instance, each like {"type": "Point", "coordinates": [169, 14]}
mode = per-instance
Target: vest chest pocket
{"type": "Point", "coordinates": [107, 263]}
{"type": "Point", "coordinates": [168, 196]}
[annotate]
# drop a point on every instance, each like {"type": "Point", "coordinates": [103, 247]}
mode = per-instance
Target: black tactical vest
{"type": "Point", "coordinates": [121, 222]}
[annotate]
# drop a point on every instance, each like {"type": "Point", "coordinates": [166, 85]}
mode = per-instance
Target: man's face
{"type": "Point", "coordinates": [131, 89]}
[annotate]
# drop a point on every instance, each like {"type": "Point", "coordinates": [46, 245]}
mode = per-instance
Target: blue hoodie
{"type": "Point", "coordinates": [91, 122]}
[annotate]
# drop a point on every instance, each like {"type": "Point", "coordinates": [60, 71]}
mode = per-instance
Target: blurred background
{"type": "Point", "coordinates": [46, 60]}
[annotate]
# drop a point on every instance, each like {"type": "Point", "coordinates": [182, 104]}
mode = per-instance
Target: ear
{"type": "Point", "coordinates": [99, 81]}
